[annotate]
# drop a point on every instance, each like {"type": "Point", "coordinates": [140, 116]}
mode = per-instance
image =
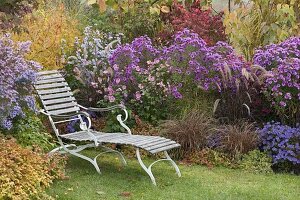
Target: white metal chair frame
{"type": "Point", "coordinates": [74, 149]}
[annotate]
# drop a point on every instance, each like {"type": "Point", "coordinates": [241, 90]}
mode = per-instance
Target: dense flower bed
{"type": "Point", "coordinates": [16, 78]}
{"type": "Point", "coordinates": [282, 142]}
{"type": "Point", "coordinates": [283, 87]}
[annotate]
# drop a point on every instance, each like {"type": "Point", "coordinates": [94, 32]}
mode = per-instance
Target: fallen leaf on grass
{"type": "Point", "coordinates": [126, 194]}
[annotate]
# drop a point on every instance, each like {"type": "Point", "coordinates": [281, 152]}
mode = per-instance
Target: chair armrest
{"type": "Point", "coordinates": [119, 106]}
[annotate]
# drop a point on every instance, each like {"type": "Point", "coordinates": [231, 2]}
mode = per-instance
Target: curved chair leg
{"type": "Point", "coordinates": [172, 163]}
{"type": "Point", "coordinates": [148, 170]}
{"type": "Point", "coordinates": [60, 149]}
{"type": "Point", "coordinates": [93, 161]}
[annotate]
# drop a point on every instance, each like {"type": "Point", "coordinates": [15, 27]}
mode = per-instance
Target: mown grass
{"type": "Point", "coordinates": [197, 182]}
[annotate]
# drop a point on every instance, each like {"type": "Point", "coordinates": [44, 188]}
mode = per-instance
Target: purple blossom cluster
{"type": "Point", "coordinates": [271, 56]}
{"type": "Point", "coordinates": [281, 141]}
{"type": "Point", "coordinates": [210, 67]}
{"type": "Point", "coordinates": [16, 78]}
{"type": "Point", "coordinates": [283, 87]}
{"type": "Point", "coordinates": [136, 70]}
{"type": "Point", "coordinates": [187, 61]}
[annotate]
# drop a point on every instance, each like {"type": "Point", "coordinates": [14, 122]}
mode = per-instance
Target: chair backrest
{"type": "Point", "coordinates": [56, 96]}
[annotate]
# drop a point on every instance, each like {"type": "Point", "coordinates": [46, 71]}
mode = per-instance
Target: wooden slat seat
{"type": "Point", "coordinates": [153, 144]}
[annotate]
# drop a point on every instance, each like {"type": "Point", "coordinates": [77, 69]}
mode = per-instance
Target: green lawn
{"type": "Point", "coordinates": [197, 182]}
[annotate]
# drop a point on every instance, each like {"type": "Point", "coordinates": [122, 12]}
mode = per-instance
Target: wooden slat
{"type": "Point", "coordinates": [165, 148]}
{"type": "Point", "coordinates": [126, 139]}
{"type": "Point", "coordinates": [57, 101]}
{"type": "Point", "coordinates": [61, 111]}
{"type": "Point", "coordinates": [51, 91]}
{"type": "Point", "coordinates": [155, 143]}
{"type": "Point", "coordinates": [53, 85]}
{"type": "Point", "coordinates": [159, 145]}
{"type": "Point", "coordinates": [51, 76]}
{"type": "Point", "coordinates": [148, 141]}
{"type": "Point", "coordinates": [53, 80]}
{"type": "Point", "coordinates": [55, 96]}
{"type": "Point", "coordinates": [47, 72]}
{"type": "Point", "coordinates": [59, 106]}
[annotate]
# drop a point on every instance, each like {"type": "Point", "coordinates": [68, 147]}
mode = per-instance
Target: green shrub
{"type": "Point", "coordinates": [25, 173]}
{"type": "Point", "coordinates": [29, 132]}
{"type": "Point", "coordinates": [256, 161]}
{"type": "Point", "coordinates": [209, 158]}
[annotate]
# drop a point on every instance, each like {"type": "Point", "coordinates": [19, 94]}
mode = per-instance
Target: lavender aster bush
{"type": "Point", "coordinates": [273, 55]}
{"type": "Point", "coordinates": [282, 142]}
{"type": "Point", "coordinates": [283, 87]}
{"type": "Point", "coordinates": [16, 78]}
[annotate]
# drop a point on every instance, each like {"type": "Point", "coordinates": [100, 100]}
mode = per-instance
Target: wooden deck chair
{"type": "Point", "coordinates": [60, 106]}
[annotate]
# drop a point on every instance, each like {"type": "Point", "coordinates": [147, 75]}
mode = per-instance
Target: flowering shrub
{"type": "Point", "coordinates": [283, 87]}
{"type": "Point", "coordinates": [203, 22]}
{"type": "Point", "coordinates": [189, 56]}
{"type": "Point", "coordinates": [271, 56]}
{"type": "Point", "coordinates": [282, 142]}
{"type": "Point", "coordinates": [16, 78]}
{"type": "Point", "coordinates": [89, 63]}
{"type": "Point", "coordinates": [25, 173]}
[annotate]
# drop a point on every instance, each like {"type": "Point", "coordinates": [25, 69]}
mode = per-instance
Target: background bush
{"type": "Point", "coordinates": [208, 25]}
{"type": "Point", "coordinates": [25, 173]}
{"type": "Point", "coordinates": [256, 161]}
{"type": "Point", "coordinates": [47, 27]}
{"type": "Point", "coordinates": [12, 12]}
{"type": "Point", "coordinates": [260, 23]}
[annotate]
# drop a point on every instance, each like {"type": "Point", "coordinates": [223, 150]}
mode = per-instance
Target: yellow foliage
{"type": "Point", "coordinates": [46, 28]}
{"type": "Point", "coordinates": [261, 23]}
{"type": "Point", "coordinates": [25, 173]}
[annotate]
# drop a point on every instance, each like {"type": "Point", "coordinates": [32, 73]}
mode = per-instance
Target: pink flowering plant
{"type": "Point", "coordinates": [17, 76]}
{"type": "Point", "coordinates": [139, 79]}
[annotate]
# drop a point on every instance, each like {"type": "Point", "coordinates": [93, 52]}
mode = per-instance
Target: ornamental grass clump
{"type": "Point", "coordinates": [237, 139]}
{"type": "Point", "coordinates": [16, 79]}
{"type": "Point", "coordinates": [192, 131]}
{"type": "Point", "coordinates": [282, 142]}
